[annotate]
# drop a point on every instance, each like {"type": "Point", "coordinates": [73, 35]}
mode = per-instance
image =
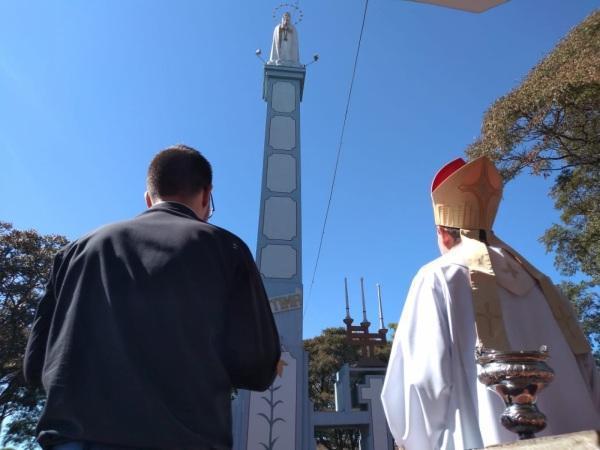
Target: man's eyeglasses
{"type": "Point", "coordinates": [211, 208]}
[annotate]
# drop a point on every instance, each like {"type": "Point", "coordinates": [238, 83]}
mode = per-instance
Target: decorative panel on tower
{"type": "Point", "coordinates": [280, 218]}
{"type": "Point", "coordinates": [278, 261]}
{"type": "Point", "coordinates": [284, 97]}
{"type": "Point", "coordinates": [281, 173]}
{"type": "Point", "coordinates": [282, 133]}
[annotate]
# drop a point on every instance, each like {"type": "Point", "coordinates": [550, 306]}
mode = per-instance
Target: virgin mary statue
{"type": "Point", "coordinates": [284, 50]}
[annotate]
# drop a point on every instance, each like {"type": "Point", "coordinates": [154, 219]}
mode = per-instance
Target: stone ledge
{"type": "Point", "coordinates": [582, 440]}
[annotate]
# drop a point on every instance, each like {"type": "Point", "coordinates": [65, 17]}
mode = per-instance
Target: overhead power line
{"type": "Point", "coordinates": [337, 159]}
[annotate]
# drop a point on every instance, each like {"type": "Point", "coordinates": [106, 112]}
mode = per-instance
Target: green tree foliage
{"type": "Point", "coordinates": [587, 306]}
{"type": "Point", "coordinates": [550, 125]}
{"type": "Point", "coordinates": [20, 429]}
{"type": "Point", "coordinates": [328, 352]}
{"type": "Point", "coordinates": [25, 261]}
{"type": "Point", "coordinates": [392, 327]}
{"type": "Point", "coordinates": [338, 438]}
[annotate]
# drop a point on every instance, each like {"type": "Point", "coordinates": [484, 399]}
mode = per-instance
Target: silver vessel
{"type": "Point", "coordinates": [517, 377]}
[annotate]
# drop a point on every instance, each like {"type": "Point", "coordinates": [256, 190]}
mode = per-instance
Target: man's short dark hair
{"type": "Point", "coordinates": [178, 171]}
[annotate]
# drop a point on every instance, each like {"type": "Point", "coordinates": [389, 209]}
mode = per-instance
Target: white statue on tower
{"type": "Point", "coordinates": [284, 51]}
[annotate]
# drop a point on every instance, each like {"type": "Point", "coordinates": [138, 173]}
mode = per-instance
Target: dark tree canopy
{"type": "Point", "coordinates": [551, 121]}
{"type": "Point", "coordinates": [327, 353]}
{"type": "Point", "coordinates": [550, 125]}
{"type": "Point", "coordinates": [25, 261]}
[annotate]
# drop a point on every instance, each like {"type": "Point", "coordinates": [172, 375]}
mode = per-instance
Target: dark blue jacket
{"type": "Point", "coordinates": [144, 329]}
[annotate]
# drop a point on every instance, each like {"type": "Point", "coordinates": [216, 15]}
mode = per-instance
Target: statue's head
{"type": "Point", "coordinates": [286, 19]}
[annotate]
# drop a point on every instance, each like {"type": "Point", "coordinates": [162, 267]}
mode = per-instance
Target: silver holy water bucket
{"type": "Point", "coordinates": [517, 377]}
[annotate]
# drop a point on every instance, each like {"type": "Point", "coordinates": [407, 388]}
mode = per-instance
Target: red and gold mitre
{"type": "Point", "coordinates": [467, 195]}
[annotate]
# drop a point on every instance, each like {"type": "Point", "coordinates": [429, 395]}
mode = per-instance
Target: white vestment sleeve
{"type": "Point", "coordinates": [418, 381]}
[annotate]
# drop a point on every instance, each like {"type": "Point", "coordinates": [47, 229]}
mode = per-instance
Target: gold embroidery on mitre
{"type": "Point", "coordinates": [483, 190]}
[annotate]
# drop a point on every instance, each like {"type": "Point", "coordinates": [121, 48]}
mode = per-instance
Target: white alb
{"type": "Point", "coordinates": [431, 394]}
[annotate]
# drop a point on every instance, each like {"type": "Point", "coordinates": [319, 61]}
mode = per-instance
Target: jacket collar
{"type": "Point", "coordinates": [176, 208]}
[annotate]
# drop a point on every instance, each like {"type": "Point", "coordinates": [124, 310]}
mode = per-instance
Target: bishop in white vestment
{"type": "Point", "coordinates": [480, 292]}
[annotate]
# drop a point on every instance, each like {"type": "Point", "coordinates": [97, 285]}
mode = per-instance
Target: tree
{"type": "Point", "coordinates": [550, 125]}
{"type": "Point", "coordinates": [25, 261]}
{"type": "Point", "coordinates": [328, 352]}
{"type": "Point", "coordinates": [587, 306]}
{"type": "Point", "coordinates": [392, 326]}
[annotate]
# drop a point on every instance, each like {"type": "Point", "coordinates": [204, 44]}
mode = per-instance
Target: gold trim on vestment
{"type": "Point", "coordinates": [489, 322]}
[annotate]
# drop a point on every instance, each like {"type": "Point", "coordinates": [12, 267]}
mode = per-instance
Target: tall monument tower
{"type": "Point", "coordinates": [279, 418]}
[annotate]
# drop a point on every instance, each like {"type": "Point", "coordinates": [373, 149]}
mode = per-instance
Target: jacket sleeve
{"type": "Point", "coordinates": [35, 352]}
{"type": "Point", "coordinates": [252, 347]}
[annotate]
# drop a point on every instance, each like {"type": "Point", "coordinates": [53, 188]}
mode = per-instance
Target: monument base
{"type": "Point", "coordinates": [582, 440]}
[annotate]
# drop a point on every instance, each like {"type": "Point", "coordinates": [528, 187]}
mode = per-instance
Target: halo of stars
{"type": "Point", "coordinates": [290, 7]}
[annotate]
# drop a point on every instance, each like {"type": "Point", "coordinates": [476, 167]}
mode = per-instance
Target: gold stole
{"type": "Point", "coordinates": [489, 323]}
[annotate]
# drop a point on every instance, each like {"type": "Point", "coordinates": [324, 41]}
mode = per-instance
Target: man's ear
{"type": "Point", "coordinates": [148, 199]}
{"type": "Point", "coordinates": [447, 238]}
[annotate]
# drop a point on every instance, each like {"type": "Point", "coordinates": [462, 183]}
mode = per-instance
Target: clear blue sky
{"type": "Point", "coordinates": [91, 90]}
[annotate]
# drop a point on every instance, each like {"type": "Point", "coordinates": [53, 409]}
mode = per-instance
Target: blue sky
{"type": "Point", "coordinates": [90, 91]}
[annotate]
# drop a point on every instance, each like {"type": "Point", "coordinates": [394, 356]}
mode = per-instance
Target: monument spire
{"type": "Point", "coordinates": [381, 326]}
{"type": "Point", "coordinates": [364, 305]}
{"type": "Point", "coordinates": [347, 299]}
{"type": "Point", "coordinates": [275, 419]}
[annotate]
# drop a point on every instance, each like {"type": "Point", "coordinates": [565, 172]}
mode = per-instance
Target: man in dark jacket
{"type": "Point", "coordinates": [146, 325]}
